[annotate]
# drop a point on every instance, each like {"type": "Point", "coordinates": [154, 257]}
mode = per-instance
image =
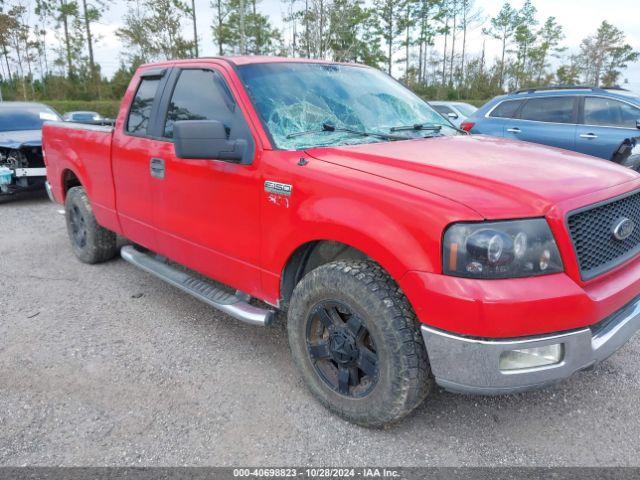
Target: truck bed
{"type": "Point", "coordinates": [86, 151]}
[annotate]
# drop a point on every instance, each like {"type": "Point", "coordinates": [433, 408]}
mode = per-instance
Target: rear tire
{"type": "Point", "coordinates": [355, 339]}
{"type": "Point", "coordinates": [90, 242]}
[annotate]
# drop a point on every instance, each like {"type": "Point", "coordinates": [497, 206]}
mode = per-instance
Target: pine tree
{"type": "Point", "coordinates": [605, 54]}
{"type": "Point", "coordinates": [389, 26]}
{"type": "Point", "coordinates": [153, 30]}
{"type": "Point", "coordinates": [503, 27]}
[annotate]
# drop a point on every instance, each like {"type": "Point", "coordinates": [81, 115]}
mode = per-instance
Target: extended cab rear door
{"type": "Point", "coordinates": [133, 151]}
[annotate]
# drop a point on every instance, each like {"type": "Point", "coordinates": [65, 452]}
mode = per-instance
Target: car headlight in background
{"type": "Point", "coordinates": [504, 249]}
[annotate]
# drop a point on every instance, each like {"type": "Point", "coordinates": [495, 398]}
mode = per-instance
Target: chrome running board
{"type": "Point", "coordinates": [237, 306]}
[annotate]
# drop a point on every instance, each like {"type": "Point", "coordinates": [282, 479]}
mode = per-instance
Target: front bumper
{"type": "Point", "coordinates": [30, 172]}
{"type": "Point", "coordinates": [467, 365]}
{"type": "Point", "coordinates": [24, 179]}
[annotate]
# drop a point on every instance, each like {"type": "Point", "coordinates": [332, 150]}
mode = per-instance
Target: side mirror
{"type": "Point", "coordinates": [638, 124]}
{"type": "Point", "coordinates": [206, 140]}
{"type": "Point", "coordinates": [452, 116]}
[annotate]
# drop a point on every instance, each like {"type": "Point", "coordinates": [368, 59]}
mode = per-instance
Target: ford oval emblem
{"type": "Point", "coordinates": [623, 228]}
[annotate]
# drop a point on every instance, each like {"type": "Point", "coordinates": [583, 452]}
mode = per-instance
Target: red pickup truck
{"type": "Point", "coordinates": [406, 252]}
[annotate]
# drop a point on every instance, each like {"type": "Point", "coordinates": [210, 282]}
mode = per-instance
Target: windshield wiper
{"type": "Point", "coordinates": [417, 126]}
{"type": "Point", "coordinates": [433, 127]}
{"type": "Point", "coordinates": [327, 127]}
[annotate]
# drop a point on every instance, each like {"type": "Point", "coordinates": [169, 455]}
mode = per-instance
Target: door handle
{"type": "Point", "coordinates": [514, 130]}
{"type": "Point", "coordinates": [590, 136]}
{"type": "Point", "coordinates": [156, 167]}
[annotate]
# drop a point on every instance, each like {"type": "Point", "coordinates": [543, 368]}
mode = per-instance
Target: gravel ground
{"type": "Point", "coordinates": [105, 365]}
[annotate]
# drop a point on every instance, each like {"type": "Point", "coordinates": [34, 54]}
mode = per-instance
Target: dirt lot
{"type": "Point", "coordinates": [105, 365]}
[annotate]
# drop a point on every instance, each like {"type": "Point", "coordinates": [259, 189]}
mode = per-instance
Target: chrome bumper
{"type": "Point", "coordinates": [467, 365]}
{"type": "Point", "coordinates": [47, 187]}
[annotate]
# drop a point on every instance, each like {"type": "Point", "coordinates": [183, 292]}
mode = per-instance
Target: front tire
{"type": "Point", "coordinates": [355, 339]}
{"type": "Point", "coordinates": [90, 242]}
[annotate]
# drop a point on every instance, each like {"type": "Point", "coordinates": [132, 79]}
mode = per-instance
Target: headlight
{"type": "Point", "coordinates": [506, 249]}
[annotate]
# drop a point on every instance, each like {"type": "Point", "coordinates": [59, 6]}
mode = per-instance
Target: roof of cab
{"type": "Point", "coordinates": [239, 60]}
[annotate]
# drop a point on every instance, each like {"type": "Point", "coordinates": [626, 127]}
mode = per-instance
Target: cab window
{"type": "Point", "coordinates": [140, 112]}
{"type": "Point", "coordinates": [199, 95]}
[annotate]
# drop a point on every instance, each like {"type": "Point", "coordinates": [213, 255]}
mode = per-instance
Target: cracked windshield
{"type": "Point", "coordinates": [312, 105]}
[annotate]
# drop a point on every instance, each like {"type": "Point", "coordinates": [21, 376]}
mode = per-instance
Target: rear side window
{"type": "Point", "coordinates": [199, 95]}
{"type": "Point", "coordinates": [140, 112]}
{"type": "Point", "coordinates": [506, 109]}
{"type": "Point", "coordinates": [550, 109]}
{"type": "Point", "coordinates": [610, 113]}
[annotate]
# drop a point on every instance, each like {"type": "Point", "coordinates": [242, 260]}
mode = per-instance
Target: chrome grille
{"type": "Point", "coordinates": [591, 231]}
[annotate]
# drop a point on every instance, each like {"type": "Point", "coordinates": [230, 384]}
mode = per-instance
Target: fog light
{"type": "Point", "coordinates": [525, 358]}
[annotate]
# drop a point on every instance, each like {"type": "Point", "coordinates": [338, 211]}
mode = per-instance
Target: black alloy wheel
{"type": "Point", "coordinates": [78, 227]}
{"type": "Point", "coordinates": [341, 349]}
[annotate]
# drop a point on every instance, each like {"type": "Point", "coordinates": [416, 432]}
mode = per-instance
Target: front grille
{"type": "Point", "coordinates": [591, 230]}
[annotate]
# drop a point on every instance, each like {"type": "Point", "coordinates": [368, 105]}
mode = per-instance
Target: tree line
{"type": "Point", "coordinates": [47, 47]}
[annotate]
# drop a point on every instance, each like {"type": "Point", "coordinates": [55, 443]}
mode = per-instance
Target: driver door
{"type": "Point", "coordinates": [207, 210]}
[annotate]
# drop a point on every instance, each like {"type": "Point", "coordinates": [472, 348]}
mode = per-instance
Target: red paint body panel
{"type": "Point", "coordinates": [392, 201]}
{"type": "Point", "coordinates": [86, 153]}
{"type": "Point", "coordinates": [498, 178]}
{"type": "Point", "coordinates": [517, 307]}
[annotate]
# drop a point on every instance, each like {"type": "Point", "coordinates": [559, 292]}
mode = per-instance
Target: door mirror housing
{"type": "Point", "coordinates": [638, 124]}
{"type": "Point", "coordinates": [207, 140]}
{"type": "Point", "coordinates": [453, 116]}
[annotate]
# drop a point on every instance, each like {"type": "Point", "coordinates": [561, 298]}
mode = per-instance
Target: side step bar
{"type": "Point", "coordinates": [236, 306]}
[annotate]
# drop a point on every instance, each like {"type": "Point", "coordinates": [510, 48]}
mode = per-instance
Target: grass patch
{"type": "Point", "coordinates": [106, 108]}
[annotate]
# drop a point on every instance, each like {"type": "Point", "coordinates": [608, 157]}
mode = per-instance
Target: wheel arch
{"type": "Point", "coordinates": [342, 234]}
{"type": "Point", "coordinates": [311, 255]}
{"type": "Point", "coordinates": [68, 180]}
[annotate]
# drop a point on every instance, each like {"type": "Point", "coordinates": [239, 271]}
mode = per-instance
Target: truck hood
{"type": "Point", "coordinates": [497, 178]}
{"type": "Point", "coordinates": [21, 138]}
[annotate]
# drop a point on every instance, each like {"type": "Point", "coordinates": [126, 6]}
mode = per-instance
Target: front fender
{"type": "Point", "coordinates": [352, 222]}
{"type": "Point", "coordinates": [400, 230]}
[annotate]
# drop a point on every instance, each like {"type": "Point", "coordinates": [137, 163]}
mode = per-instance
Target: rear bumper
{"type": "Point", "coordinates": [466, 365]}
{"type": "Point", "coordinates": [47, 187]}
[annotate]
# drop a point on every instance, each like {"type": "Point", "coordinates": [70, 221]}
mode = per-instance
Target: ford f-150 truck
{"type": "Point", "coordinates": [405, 252]}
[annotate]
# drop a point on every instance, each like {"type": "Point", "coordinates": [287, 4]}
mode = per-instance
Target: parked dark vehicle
{"type": "Point", "coordinates": [22, 167]}
{"type": "Point", "coordinates": [91, 118]}
{"type": "Point", "coordinates": [603, 122]}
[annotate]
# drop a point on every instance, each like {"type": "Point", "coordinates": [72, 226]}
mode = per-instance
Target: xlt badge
{"type": "Point", "coordinates": [278, 188]}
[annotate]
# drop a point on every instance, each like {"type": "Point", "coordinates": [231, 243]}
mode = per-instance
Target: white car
{"type": "Point", "coordinates": [455, 112]}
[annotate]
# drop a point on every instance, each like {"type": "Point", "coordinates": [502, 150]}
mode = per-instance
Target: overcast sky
{"type": "Point", "coordinates": [579, 18]}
